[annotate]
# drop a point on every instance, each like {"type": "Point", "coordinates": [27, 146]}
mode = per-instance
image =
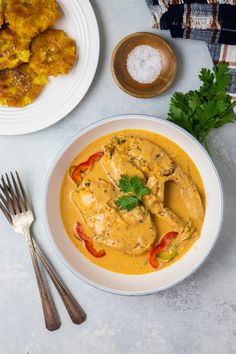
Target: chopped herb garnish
{"type": "Point", "coordinates": [127, 202]}
{"type": "Point", "coordinates": [209, 107]}
{"type": "Point", "coordinates": [135, 190]}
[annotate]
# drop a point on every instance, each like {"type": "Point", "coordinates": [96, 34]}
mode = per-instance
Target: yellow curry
{"type": "Point", "coordinates": [133, 202]}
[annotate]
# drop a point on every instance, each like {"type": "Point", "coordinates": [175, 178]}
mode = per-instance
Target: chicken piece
{"type": "Point", "coordinates": [190, 196]}
{"type": "Point", "coordinates": [20, 86]}
{"type": "Point", "coordinates": [14, 49]}
{"type": "Point", "coordinates": [155, 202]}
{"type": "Point", "coordinates": [52, 53]}
{"type": "Point", "coordinates": [132, 232]}
{"type": "Point", "coordinates": [157, 208]}
{"type": "Point", "coordinates": [1, 14]}
{"type": "Point", "coordinates": [188, 190]}
{"type": "Point", "coordinates": [144, 156]}
{"type": "Point", "coordinates": [30, 17]}
{"type": "Point", "coordinates": [157, 187]}
{"type": "Point", "coordinates": [116, 164]}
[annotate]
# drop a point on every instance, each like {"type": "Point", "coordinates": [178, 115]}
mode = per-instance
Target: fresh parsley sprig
{"type": "Point", "coordinates": [209, 107]}
{"type": "Point", "coordinates": [135, 191]}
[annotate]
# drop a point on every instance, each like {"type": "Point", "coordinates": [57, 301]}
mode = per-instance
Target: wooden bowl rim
{"type": "Point", "coordinates": [116, 78]}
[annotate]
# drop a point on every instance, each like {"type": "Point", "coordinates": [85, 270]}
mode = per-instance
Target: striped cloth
{"type": "Point", "coordinates": [212, 21]}
{"type": "Point", "coordinates": [159, 7]}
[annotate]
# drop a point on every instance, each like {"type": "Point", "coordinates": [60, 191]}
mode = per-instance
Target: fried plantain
{"type": "Point", "coordinates": [30, 17]}
{"type": "Point", "coordinates": [14, 50]}
{"type": "Point", "coordinates": [52, 53]}
{"type": "Point", "coordinates": [20, 86]}
{"type": "Point", "coordinates": [1, 14]}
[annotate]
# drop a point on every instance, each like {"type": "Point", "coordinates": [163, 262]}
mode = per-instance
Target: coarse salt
{"type": "Point", "coordinates": [144, 64]}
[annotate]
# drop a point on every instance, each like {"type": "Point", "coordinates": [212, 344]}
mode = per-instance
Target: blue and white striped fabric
{"type": "Point", "coordinates": [212, 21]}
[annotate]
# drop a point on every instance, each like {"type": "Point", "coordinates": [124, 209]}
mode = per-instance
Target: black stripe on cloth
{"type": "Point", "coordinates": [227, 16]}
{"type": "Point", "coordinates": [227, 37]}
{"type": "Point", "coordinates": [173, 17]}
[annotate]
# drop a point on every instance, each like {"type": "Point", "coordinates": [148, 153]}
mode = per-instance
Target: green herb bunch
{"type": "Point", "coordinates": [209, 107]}
{"type": "Point", "coordinates": [135, 191]}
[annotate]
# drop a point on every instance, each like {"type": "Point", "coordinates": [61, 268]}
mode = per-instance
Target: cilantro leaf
{"type": "Point", "coordinates": [127, 202]}
{"type": "Point", "coordinates": [135, 190]}
{"type": "Point", "coordinates": [209, 107]}
{"type": "Point", "coordinates": [138, 187]}
{"type": "Point", "coordinates": [133, 185]}
{"type": "Point", "coordinates": [125, 184]}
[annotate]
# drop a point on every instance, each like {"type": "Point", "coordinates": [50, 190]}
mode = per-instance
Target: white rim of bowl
{"type": "Point", "coordinates": [70, 142]}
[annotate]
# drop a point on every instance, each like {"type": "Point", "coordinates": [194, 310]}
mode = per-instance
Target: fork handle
{"type": "Point", "coordinates": [75, 311]}
{"type": "Point", "coordinates": [52, 320]}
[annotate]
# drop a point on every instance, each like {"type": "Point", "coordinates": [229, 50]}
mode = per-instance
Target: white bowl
{"type": "Point", "coordinates": [134, 284]}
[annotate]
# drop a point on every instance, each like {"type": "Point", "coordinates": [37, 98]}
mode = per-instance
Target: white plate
{"type": "Point", "coordinates": [63, 93]}
{"type": "Point", "coordinates": [134, 284]}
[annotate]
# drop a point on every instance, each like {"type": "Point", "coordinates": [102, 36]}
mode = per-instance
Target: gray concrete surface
{"type": "Point", "coordinates": [197, 316]}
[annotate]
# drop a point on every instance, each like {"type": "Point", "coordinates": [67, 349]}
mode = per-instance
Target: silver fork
{"type": "Point", "coordinates": [16, 208]}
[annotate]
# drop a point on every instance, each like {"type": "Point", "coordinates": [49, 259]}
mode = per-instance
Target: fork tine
{"type": "Point", "coordinates": [3, 193]}
{"type": "Point", "coordinates": [18, 194]}
{"type": "Point", "coordinates": [25, 199]}
{"type": "Point", "coordinates": [13, 195]}
{"type": "Point", "coordinates": [7, 196]}
{"type": "Point", "coordinates": [5, 212]}
{"type": "Point", "coordinates": [4, 202]}
{"type": "Point", "coordinates": [3, 190]}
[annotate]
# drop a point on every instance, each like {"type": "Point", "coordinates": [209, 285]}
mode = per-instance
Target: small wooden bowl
{"type": "Point", "coordinates": [122, 76]}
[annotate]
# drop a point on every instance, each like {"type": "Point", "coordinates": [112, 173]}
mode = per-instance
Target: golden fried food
{"type": "Point", "coordinates": [1, 14]}
{"type": "Point", "coordinates": [20, 86]}
{"type": "Point", "coordinates": [53, 53]}
{"type": "Point", "coordinates": [30, 17]}
{"type": "Point", "coordinates": [14, 49]}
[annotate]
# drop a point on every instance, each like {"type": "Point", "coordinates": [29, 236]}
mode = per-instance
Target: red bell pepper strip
{"type": "Point", "coordinates": [80, 232]}
{"type": "Point", "coordinates": [84, 166]}
{"type": "Point", "coordinates": [88, 241]}
{"type": "Point", "coordinates": [91, 249]}
{"type": "Point", "coordinates": [165, 241]}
